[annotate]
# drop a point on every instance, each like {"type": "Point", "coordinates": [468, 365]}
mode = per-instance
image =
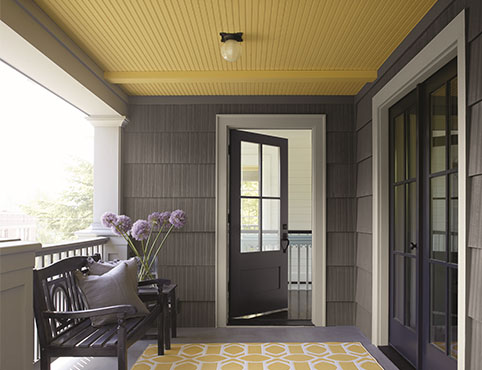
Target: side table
{"type": "Point", "coordinates": [170, 307]}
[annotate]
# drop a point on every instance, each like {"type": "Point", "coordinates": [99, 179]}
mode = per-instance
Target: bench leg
{"type": "Point", "coordinates": [173, 314]}
{"type": "Point", "coordinates": [160, 334]}
{"type": "Point", "coordinates": [44, 361]}
{"type": "Point", "coordinates": [121, 346]}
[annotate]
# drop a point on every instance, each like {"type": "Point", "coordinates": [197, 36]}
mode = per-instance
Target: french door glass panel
{"type": "Point", "coordinates": [438, 119]}
{"type": "Point", "coordinates": [437, 305]}
{"type": "Point", "coordinates": [454, 126]}
{"type": "Point", "coordinates": [438, 218]}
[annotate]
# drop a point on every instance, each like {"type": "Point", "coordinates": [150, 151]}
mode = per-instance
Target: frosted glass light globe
{"type": "Point", "coordinates": [231, 50]}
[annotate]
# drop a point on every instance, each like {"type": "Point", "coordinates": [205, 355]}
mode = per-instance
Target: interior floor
{"type": "Point", "coordinates": [237, 335]}
{"type": "Point", "coordinates": [298, 313]}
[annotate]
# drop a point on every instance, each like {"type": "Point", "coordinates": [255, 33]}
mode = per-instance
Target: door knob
{"type": "Point", "coordinates": [286, 241]}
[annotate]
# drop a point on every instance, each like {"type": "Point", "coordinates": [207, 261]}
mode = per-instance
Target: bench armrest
{"type": "Point", "coordinates": [121, 310]}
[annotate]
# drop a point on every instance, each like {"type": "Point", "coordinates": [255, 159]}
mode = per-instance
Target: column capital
{"type": "Point", "coordinates": [107, 121]}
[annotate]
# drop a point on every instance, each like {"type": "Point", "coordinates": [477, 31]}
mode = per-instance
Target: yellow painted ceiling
{"type": "Point", "coordinates": [279, 35]}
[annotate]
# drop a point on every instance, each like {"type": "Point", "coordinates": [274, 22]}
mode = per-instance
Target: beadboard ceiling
{"type": "Point", "coordinates": [291, 47]}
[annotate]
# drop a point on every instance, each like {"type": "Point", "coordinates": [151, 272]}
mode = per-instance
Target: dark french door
{"type": "Point", "coordinates": [424, 224]}
{"type": "Point", "coordinates": [258, 228]}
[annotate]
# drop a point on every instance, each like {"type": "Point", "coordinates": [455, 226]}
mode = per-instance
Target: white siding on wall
{"type": "Point", "coordinates": [299, 176]}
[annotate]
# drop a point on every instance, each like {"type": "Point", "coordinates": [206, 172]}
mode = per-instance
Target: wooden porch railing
{"type": "Point", "coordinates": [299, 260]}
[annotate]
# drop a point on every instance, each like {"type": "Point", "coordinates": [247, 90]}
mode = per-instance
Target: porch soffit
{"type": "Point", "coordinates": [315, 47]}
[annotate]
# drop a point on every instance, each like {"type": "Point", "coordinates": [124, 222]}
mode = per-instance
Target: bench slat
{"type": "Point", "coordinates": [130, 325]}
{"type": "Point", "coordinates": [87, 342]}
{"type": "Point", "coordinates": [110, 330]}
{"type": "Point", "coordinates": [69, 333]}
{"type": "Point", "coordinates": [73, 341]}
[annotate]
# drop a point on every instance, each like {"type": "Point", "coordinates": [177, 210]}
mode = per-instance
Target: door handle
{"type": "Point", "coordinates": [285, 239]}
{"type": "Point", "coordinates": [413, 245]}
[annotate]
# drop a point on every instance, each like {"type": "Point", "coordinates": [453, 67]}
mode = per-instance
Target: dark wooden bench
{"type": "Point", "coordinates": [63, 320]}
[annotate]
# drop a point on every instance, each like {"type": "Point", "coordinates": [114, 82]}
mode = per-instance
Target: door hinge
{"type": "Point", "coordinates": [229, 286]}
{"type": "Point", "coordinates": [229, 218]}
{"type": "Point", "coordinates": [229, 149]}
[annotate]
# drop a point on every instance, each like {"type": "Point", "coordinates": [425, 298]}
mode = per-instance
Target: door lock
{"type": "Point", "coordinates": [413, 245]}
{"type": "Point", "coordinates": [285, 240]}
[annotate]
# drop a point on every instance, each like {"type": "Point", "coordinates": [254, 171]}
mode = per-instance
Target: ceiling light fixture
{"type": "Point", "coordinates": [231, 47]}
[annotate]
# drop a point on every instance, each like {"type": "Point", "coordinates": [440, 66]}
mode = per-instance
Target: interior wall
{"type": "Point", "coordinates": [169, 162]}
{"type": "Point", "coordinates": [435, 20]}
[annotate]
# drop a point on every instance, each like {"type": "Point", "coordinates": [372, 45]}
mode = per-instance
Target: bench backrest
{"type": "Point", "coordinates": [56, 289]}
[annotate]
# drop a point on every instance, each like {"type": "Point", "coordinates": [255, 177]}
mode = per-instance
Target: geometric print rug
{"type": "Point", "coordinates": [259, 356]}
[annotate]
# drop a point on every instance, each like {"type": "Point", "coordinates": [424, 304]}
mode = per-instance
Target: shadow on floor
{"type": "Point", "coordinates": [298, 314]}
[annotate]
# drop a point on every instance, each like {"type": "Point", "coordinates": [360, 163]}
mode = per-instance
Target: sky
{"type": "Point", "coordinates": [40, 135]}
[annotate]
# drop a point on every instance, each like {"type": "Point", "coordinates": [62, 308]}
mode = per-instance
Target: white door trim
{"type": "Point", "coordinates": [317, 124]}
{"type": "Point", "coordinates": [448, 44]}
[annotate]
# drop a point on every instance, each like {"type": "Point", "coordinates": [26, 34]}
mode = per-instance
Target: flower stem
{"type": "Point", "coordinates": [160, 245]}
{"type": "Point", "coordinates": [155, 241]}
{"type": "Point", "coordinates": [134, 249]}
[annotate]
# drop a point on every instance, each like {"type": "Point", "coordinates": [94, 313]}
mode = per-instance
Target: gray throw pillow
{"type": "Point", "coordinates": [101, 267]}
{"type": "Point", "coordinates": [112, 288]}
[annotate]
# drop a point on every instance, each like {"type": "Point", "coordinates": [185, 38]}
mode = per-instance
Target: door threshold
{"type": "Point", "coordinates": [268, 322]}
{"type": "Point", "coordinates": [397, 359]}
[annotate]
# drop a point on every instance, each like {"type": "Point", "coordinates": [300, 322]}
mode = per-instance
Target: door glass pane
{"type": "Point", "coordinates": [412, 143]}
{"type": "Point", "coordinates": [453, 312]}
{"type": "Point", "coordinates": [399, 148]}
{"type": "Point", "coordinates": [411, 292]}
{"type": "Point", "coordinates": [438, 218]}
{"type": "Point", "coordinates": [437, 305]}
{"type": "Point", "coordinates": [454, 218]}
{"type": "Point", "coordinates": [271, 171]}
{"type": "Point", "coordinates": [438, 112]}
{"type": "Point", "coordinates": [250, 225]}
{"type": "Point", "coordinates": [271, 225]}
{"type": "Point", "coordinates": [398, 294]}
{"type": "Point", "coordinates": [412, 218]}
{"type": "Point", "coordinates": [399, 218]}
{"type": "Point", "coordinates": [249, 169]}
{"type": "Point", "coordinates": [454, 125]}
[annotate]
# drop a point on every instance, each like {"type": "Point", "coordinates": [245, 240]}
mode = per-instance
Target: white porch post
{"type": "Point", "coordinates": [107, 181]}
{"type": "Point", "coordinates": [17, 259]}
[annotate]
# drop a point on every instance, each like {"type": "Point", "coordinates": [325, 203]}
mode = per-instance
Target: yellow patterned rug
{"type": "Point", "coordinates": [259, 356]}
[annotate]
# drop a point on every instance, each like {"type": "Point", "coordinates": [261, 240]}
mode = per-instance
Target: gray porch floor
{"type": "Point", "coordinates": [235, 334]}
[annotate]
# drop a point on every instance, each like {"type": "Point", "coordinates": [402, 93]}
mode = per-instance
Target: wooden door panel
{"type": "Point", "coordinates": [258, 269]}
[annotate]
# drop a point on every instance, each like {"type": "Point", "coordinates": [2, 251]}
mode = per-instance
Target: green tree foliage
{"type": "Point", "coordinates": [71, 211]}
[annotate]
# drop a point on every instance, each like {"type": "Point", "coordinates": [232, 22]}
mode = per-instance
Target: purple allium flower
{"type": "Point", "coordinates": [165, 217]}
{"type": "Point", "coordinates": [154, 218]}
{"type": "Point", "coordinates": [108, 219]}
{"type": "Point", "coordinates": [141, 229]}
{"type": "Point", "coordinates": [123, 225]}
{"type": "Point", "coordinates": [178, 218]}
{"type": "Point", "coordinates": [157, 219]}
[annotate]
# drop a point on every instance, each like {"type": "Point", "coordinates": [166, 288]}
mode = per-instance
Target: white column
{"type": "Point", "coordinates": [17, 259]}
{"type": "Point", "coordinates": [107, 181]}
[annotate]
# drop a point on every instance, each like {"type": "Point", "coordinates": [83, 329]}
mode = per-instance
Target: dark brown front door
{"type": "Point", "coordinates": [258, 240]}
